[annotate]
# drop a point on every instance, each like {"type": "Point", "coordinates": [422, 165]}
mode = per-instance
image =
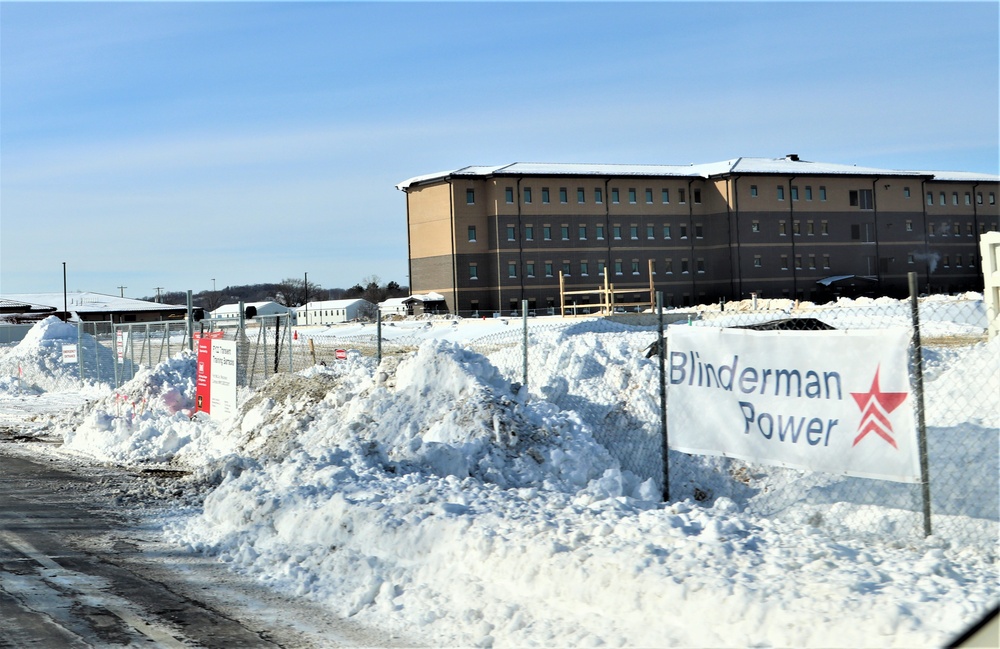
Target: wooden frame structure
{"type": "Point", "coordinates": [606, 296]}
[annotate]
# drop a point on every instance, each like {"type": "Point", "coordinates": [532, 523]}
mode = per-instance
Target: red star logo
{"type": "Point", "coordinates": [875, 408]}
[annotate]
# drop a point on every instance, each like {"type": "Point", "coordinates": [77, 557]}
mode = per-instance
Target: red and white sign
{"type": "Point", "coordinates": [837, 402]}
{"type": "Point", "coordinates": [341, 354]}
{"type": "Point", "coordinates": [215, 385]}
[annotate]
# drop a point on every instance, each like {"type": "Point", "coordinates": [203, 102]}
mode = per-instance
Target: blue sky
{"type": "Point", "coordinates": [169, 144]}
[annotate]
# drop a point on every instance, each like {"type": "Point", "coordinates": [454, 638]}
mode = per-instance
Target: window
{"type": "Point", "coordinates": [810, 228]}
{"type": "Point", "coordinates": [529, 269]}
{"type": "Point", "coordinates": [649, 196]}
{"type": "Point", "coordinates": [798, 262]}
{"type": "Point", "coordinates": [668, 266]}
{"type": "Point", "coordinates": [473, 271]}
{"type": "Point", "coordinates": [930, 198]}
{"type": "Point", "coordinates": [956, 229]}
{"type": "Point", "coordinates": [563, 196]}
{"type": "Point", "coordinates": [564, 232]}
{"type": "Point", "coordinates": [796, 227]}
{"type": "Point", "coordinates": [862, 199]}
{"type": "Point", "coordinates": [618, 267]}
{"type": "Point", "coordinates": [826, 261]}
{"type": "Point", "coordinates": [616, 231]}
{"type": "Point", "coordinates": [511, 233]}
{"type": "Point", "coordinates": [696, 194]}
{"type": "Point", "coordinates": [650, 232]}
{"type": "Point", "coordinates": [684, 231]}
{"type": "Point", "coordinates": [566, 268]}
{"type": "Point", "coordinates": [635, 266]}
{"type": "Point", "coordinates": [545, 195]}
{"type": "Point", "coordinates": [758, 262]}
{"type": "Point", "coordinates": [665, 196]}
{"type": "Point", "coordinates": [822, 193]}
{"type": "Point", "coordinates": [958, 261]}
{"type": "Point", "coordinates": [824, 228]}
{"type": "Point", "coordinates": [993, 198]}
{"type": "Point", "coordinates": [795, 193]}
{"type": "Point", "coordinates": [509, 194]}
{"type": "Point", "coordinates": [582, 232]}
{"type": "Point", "coordinates": [527, 195]}
{"type": "Point", "coordinates": [979, 198]}
{"type": "Point", "coordinates": [909, 226]}
{"type": "Point", "coordinates": [782, 228]}
{"type": "Point", "coordinates": [699, 231]}
{"type": "Point", "coordinates": [954, 198]}
{"type": "Point", "coordinates": [968, 198]}
{"type": "Point", "coordinates": [781, 192]}
{"type": "Point", "coordinates": [511, 269]}
{"type": "Point", "coordinates": [753, 191]}
{"type": "Point", "coordinates": [633, 231]}
{"type": "Point", "coordinates": [600, 268]}
{"type": "Point", "coordinates": [472, 234]}
{"type": "Point", "coordinates": [614, 196]}
{"type": "Point", "coordinates": [631, 195]}
{"type": "Point", "coordinates": [700, 265]}
{"type": "Point", "coordinates": [684, 266]}
{"type": "Point", "coordinates": [666, 231]}
{"type": "Point", "coordinates": [784, 262]}
{"type": "Point", "coordinates": [529, 232]}
{"type": "Point", "coordinates": [946, 261]}
{"type": "Point", "coordinates": [755, 226]}
{"type": "Point", "coordinates": [599, 231]}
{"type": "Point", "coordinates": [581, 195]}
{"type": "Point", "coordinates": [931, 230]}
{"type": "Point", "coordinates": [598, 195]}
{"type": "Point", "coordinates": [470, 197]}
{"type": "Point", "coordinates": [941, 199]}
{"type": "Point", "coordinates": [910, 258]}
{"type": "Point", "coordinates": [547, 232]}
{"type": "Point", "coordinates": [584, 267]}
{"type": "Point", "coordinates": [809, 193]}
{"type": "Point", "coordinates": [968, 229]}
{"type": "Point", "coordinates": [548, 269]}
{"type": "Point", "coordinates": [680, 196]}
{"type": "Point", "coordinates": [906, 192]}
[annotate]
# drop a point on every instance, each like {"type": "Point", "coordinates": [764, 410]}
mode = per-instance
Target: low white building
{"type": "Point", "coordinates": [394, 306]}
{"type": "Point", "coordinates": [232, 311]}
{"type": "Point", "coordinates": [333, 311]}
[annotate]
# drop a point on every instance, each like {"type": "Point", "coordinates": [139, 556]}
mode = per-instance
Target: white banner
{"type": "Point", "coordinates": [831, 401]}
{"type": "Point", "coordinates": [69, 353]}
{"type": "Point", "coordinates": [223, 379]}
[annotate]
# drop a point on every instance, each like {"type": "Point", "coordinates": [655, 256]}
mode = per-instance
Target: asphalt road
{"type": "Point", "coordinates": [76, 571]}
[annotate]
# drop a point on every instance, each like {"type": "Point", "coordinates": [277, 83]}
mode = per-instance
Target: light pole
{"type": "Point", "coordinates": [65, 305]}
{"type": "Point", "coordinates": [213, 285]}
{"type": "Point", "coordinates": [122, 289]}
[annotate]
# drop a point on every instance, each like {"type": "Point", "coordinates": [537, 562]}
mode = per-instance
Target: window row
{"type": "Point", "coordinates": [597, 194]}
{"type": "Point", "coordinates": [967, 198]}
{"type": "Point", "coordinates": [810, 229]}
{"type": "Point", "coordinates": [800, 261]}
{"type": "Point", "coordinates": [953, 228]}
{"type": "Point", "coordinates": [583, 268]}
{"type": "Point", "coordinates": [599, 232]}
{"type": "Point", "coordinates": [793, 190]}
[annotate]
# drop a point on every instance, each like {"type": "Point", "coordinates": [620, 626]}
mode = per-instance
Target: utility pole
{"type": "Point", "coordinates": [213, 285]}
{"type": "Point", "coordinates": [158, 289]}
{"type": "Point", "coordinates": [122, 289]}
{"type": "Point", "coordinates": [65, 305]}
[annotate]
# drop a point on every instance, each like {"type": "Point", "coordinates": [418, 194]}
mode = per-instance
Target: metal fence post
{"type": "Point", "coordinates": [524, 345]}
{"type": "Point", "coordinates": [917, 360]}
{"type": "Point", "coordinates": [662, 349]}
{"type": "Point", "coordinates": [288, 337]}
{"type": "Point", "coordinates": [378, 336]}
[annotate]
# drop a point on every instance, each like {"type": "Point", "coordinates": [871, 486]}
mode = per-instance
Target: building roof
{"type": "Point", "coordinates": [332, 304]}
{"type": "Point", "coordinates": [86, 302]}
{"type": "Point", "coordinates": [788, 165]}
{"type": "Point", "coordinates": [235, 308]}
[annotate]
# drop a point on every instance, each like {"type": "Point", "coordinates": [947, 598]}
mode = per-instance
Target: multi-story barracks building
{"type": "Point", "coordinates": [489, 237]}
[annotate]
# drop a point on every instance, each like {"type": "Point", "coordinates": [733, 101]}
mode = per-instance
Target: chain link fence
{"type": "Point", "coordinates": [607, 371]}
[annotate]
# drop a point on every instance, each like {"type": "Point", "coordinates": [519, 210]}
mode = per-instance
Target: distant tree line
{"type": "Point", "coordinates": [288, 292]}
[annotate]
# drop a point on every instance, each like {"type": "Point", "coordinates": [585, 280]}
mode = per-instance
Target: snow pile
{"type": "Point", "coordinates": [146, 420]}
{"type": "Point", "coordinates": [36, 364]}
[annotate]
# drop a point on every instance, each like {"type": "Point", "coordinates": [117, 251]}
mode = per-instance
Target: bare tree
{"type": "Point", "coordinates": [296, 292]}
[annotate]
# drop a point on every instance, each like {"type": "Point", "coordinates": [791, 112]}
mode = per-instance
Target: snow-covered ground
{"type": "Point", "coordinates": [431, 498]}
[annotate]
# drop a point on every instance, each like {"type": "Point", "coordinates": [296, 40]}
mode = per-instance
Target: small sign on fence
{"type": "Point", "coordinates": [341, 354]}
{"type": "Point", "coordinates": [69, 354]}
{"type": "Point", "coordinates": [838, 403]}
